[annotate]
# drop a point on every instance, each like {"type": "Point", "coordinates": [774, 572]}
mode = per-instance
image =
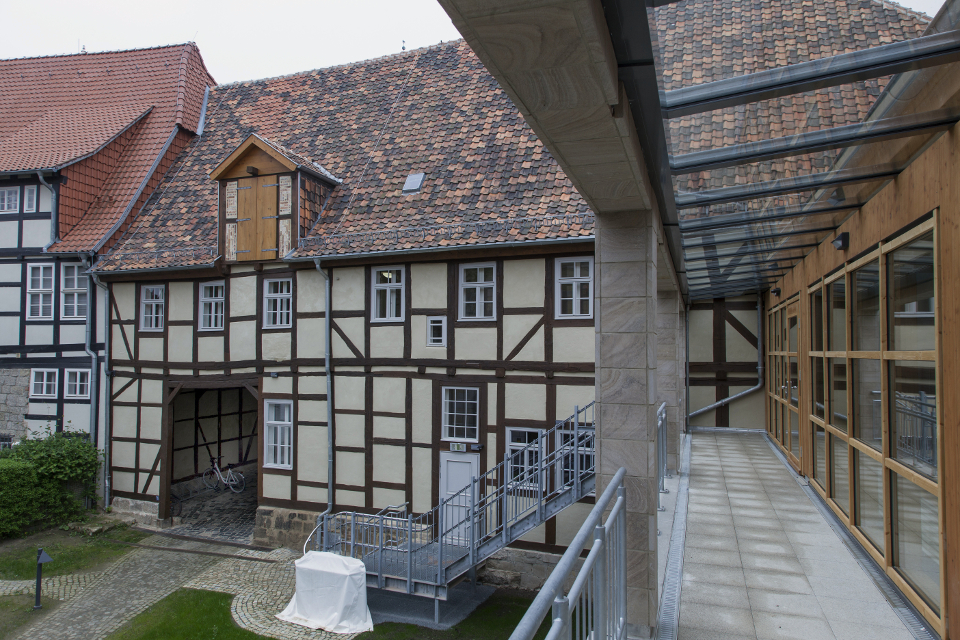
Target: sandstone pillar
{"type": "Point", "coordinates": [670, 366]}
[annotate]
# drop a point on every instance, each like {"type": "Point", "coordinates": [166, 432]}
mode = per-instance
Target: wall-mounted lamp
{"type": "Point", "coordinates": [841, 242]}
{"type": "Point", "coordinates": [274, 374]}
{"type": "Point", "coordinates": [775, 292]}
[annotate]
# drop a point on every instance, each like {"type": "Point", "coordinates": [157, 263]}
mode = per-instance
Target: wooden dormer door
{"type": "Point", "coordinates": [257, 218]}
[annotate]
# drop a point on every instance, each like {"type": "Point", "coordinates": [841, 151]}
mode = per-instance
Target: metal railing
{"type": "Point", "coordinates": [916, 427]}
{"type": "Point", "coordinates": [595, 608]}
{"type": "Point", "coordinates": [429, 550]}
{"type": "Point", "coordinates": [661, 454]}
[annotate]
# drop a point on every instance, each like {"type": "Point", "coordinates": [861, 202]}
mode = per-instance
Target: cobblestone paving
{"type": "Point", "coordinates": [57, 587]}
{"type": "Point", "coordinates": [221, 515]}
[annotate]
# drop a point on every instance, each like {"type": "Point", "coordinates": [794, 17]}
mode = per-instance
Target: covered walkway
{"type": "Point", "coordinates": [761, 561]}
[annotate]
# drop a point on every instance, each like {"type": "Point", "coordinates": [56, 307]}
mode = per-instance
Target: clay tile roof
{"type": "Point", "coordinates": [301, 161]}
{"type": "Point", "coordinates": [58, 110]}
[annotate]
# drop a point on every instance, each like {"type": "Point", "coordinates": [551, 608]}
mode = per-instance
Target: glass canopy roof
{"type": "Point", "coordinates": [765, 165]}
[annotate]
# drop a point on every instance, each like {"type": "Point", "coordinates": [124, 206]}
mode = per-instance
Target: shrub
{"type": "Point", "coordinates": [24, 497]}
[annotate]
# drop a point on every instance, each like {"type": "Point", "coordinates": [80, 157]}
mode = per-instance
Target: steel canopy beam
{"type": "Point", "coordinates": [909, 55]}
{"type": "Point", "coordinates": [811, 141]}
{"type": "Point", "coordinates": [751, 252]}
{"type": "Point", "coordinates": [780, 234]}
{"type": "Point", "coordinates": [776, 213]}
{"type": "Point", "coordinates": [811, 182]}
{"type": "Point", "coordinates": [760, 263]}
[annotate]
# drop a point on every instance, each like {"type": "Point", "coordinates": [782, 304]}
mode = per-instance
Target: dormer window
{"type": "Point", "coordinates": [268, 199]}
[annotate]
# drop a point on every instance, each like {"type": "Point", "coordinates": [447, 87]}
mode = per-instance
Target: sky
{"type": "Point", "coordinates": [241, 39]}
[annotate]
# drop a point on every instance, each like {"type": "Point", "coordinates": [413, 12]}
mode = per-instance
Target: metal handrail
{"type": "Point", "coordinates": [661, 453]}
{"type": "Point", "coordinates": [596, 605]}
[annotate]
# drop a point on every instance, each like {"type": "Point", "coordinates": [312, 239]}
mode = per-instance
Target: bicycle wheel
{"type": "Point", "coordinates": [210, 478]}
{"type": "Point", "coordinates": [176, 506]}
{"type": "Point", "coordinates": [238, 483]}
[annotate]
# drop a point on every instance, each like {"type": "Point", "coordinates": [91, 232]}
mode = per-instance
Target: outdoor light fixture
{"type": "Point", "coordinates": [775, 291]}
{"type": "Point", "coordinates": [841, 242]}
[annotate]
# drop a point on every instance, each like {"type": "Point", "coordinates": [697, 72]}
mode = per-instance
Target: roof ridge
{"type": "Point", "coordinates": [99, 53]}
{"type": "Point", "coordinates": [896, 6]}
{"type": "Point", "coordinates": [340, 66]}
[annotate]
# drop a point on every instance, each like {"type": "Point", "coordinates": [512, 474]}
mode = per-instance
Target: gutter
{"type": "Point", "coordinates": [760, 380]}
{"type": "Point", "coordinates": [106, 386]}
{"type": "Point", "coordinates": [212, 265]}
{"type": "Point", "coordinates": [328, 374]}
{"type": "Point", "coordinates": [54, 215]}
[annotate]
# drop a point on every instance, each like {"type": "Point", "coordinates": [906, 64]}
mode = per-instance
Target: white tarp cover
{"type": "Point", "coordinates": [331, 594]}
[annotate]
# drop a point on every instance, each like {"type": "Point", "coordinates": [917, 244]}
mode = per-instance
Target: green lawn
{"type": "Point", "coordinates": [72, 552]}
{"type": "Point", "coordinates": [190, 614]}
{"type": "Point", "coordinates": [16, 611]}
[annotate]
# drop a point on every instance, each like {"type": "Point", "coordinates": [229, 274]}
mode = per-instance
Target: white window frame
{"type": "Point", "coordinates": [5, 199]}
{"type": "Point", "coordinates": [153, 304]}
{"type": "Point", "coordinates": [216, 304]}
{"type": "Point", "coordinates": [40, 291]}
{"type": "Point", "coordinates": [391, 288]}
{"type": "Point", "coordinates": [442, 321]}
{"type": "Point", "coordinates": [30, 192]}
{"type": "Point", "coordinates": [72, 291]}
{"type": "Point", "coordinates": [559, 280]}
{"type": "Point", "coordinates": [526, 462]}
{"type": "Point", "coordinates": [80, 384]}
{"type": "Point", "coordinates": [278, 437]}
{"type": "Point", "coordinates": [492, 285]}
{"type": "Point", "coordinates": [45, 373]}
{"type": "Point", "coordinates": [280, 312]}
{"type": "Point", "coordinates": [445, 415]}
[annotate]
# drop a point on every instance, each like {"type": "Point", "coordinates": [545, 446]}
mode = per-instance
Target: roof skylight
{"type": "Point", "coordinates": [413, 183]}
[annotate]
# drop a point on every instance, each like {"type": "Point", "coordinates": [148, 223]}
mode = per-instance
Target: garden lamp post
{"type": "Point", "coordinates": [42, 558]}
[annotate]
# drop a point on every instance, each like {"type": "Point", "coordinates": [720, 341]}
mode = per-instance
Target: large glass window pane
{"type": "Point", "coordinates": [792, 334]}
{"type": "Point", "coordinates": [837, 381]}
{"type": "Point", "coordinates": [784, 378]}
{"type": "Point", "coordinates": [867, 411]}
{"type": "Point", "coordinates": [816, 321]}
{"type": "Point", "coordinates": [794, 382]}
{"type": "Point", "coordinates": [816, 369]}
{"type": "Point", "coordinates": [794, 433]}
{"type": "Point", "coordinates": [865, 299]}
{"type": "Point", "coordinates": [839, 473]}
{"type": "Point", "coordinates": [913, 415]}
{"type": "Point", "coordinates": [916, 538]}
{"type": "Point", "coordinates": [836, 316]}
{"type": "Point", "coordinates": [820, 456]}
{"type": "Point", "coordinates": [869, 496]}
{"type": "Point", "coordinates": [911, 298]}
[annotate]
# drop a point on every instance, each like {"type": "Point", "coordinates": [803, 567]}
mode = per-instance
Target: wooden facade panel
{"type": "Point", "coordinates": [267, 189]}
{"type": "Point", "coordinates": [248, 247]}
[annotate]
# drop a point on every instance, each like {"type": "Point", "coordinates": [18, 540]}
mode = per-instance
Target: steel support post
{"type": "Point", "coordinates": [561, 612]}
{"type": "Point", "coordinates": [601, 613]}
{"type": "Point", "coordinates": [410, 553]}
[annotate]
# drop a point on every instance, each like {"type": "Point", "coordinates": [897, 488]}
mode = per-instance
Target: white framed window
{"type": "Point", "coordinates": [40, 292]}
{"type": "Point", "coordinates": [211, 306]}
{"type": "Point", "coordinates": [478, 291]}
{"type": "Point", "coordinates": [151, 308]}
{"type": "Point", "coordinates": [522, 459]}
{"type": "Point", "coordinates": [279, 436]}
{"type": "Point", "coordinates": [77, 383]}
{"type": "Point", "coordinates": [43, 383]}
{"type": "Point", "coordinates": [461, 414]}
{"type": "Point", "coordinates": [10, 200]}
{"type": "Point", "coordinates": [574, 292]}
{"type": "Point", "coordinates": [30, 199]}
{"type": "Point", "coordinates": [436, 331]}
{"type": "Point", "coordinates": [277, 301]}
{"type": "Point", "coordinates": [73, 291]}
{"type": "Point", "coordinates": [388, 294]}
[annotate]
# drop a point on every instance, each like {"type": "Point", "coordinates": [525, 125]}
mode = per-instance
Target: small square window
{"type": "Point", "coordinates": [413, 183]}
{"type": "Point", "coordinates": [78, 383]}
{"type": "Point", "coordinates": [461, 414]}
{"type": "Point", "coordinates": [10, 200]}
{"type": "Point", "coordinates": [30, 199]}
{"type": "Point", "coordinates": [43, 383]}
{"type": "Point", "coordinates": [151, 308]}
{"type": "Point", "coordinates": [211, 306]}
{"type": "Point", "coordinates": [40, 292]}
{"type": "Point", "coordinates": [478, 292]}
{"type": "Point", "coordinates": [436, 331]}
{"type": "Point", "coordinates": [277, 304]}
{"type": "Point", "coordinates": [388, 294]}
{"type": "Point", "coordinates": [574, 290]}
{"type": "Point", "coordinates": [279, 434]}
{"type": "Point", "coordinates": [73, 292]}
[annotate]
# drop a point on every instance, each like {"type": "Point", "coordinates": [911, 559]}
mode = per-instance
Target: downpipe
{"type": "Point", "coordinates": [106, 386]}
{"type": "Point", "coordinates": [760, 380]}
{"type": "Point", "coordinates": [53, 211]}
{"type": "Point", "coordinates": [90, 340]}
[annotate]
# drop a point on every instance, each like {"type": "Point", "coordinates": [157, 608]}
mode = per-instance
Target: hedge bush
{"type": "Point", "coordinates": [24, 497]}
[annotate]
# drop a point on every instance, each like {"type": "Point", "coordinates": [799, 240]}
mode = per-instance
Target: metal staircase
{"type": "Point", "coordinates": [425, 554]}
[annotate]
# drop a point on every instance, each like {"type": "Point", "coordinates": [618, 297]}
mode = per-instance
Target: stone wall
{"type": "Point", "coordinates": [521, 569]}
{"type": "Point", "coordinates": [14, 391]}
{"type": "Point", "coordinates": [143, 511]}
{"type": "Point", "coordinates": [276, 527]}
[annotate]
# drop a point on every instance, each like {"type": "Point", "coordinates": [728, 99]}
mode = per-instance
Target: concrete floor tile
{"type": "Point", "coordinates": [853, 631]}
{"type": "Point", "coordinates": [712, 556]}
{"type": "Point", "coordinates": [715, 543]}
{"type": "Point", "coordinates": [696, 506]}
{"type": "Point", "coordinates": [766, 547]}
{"type": "Point", "coordinates": [793, 604]}
{"type": "Point", "coordinates": [770, 562]}
{"type": "Point", "coordinates": [710, 518]}
{"type": "Point", "coordinates": [829, 567]}
{"type": "Point", "coordinates": [713, 574]}
{"type": "Point", "coordinates": [723, 595]}
{"type": "Point", "coordinates": [711, 529]}
{"type": "Point", "coordinates": [773, 626]}
{"type": "Point", "coordinates": [757, 523]}
{"type": "Point", "coordinates": [859, 612]}
{"type": "Point", "coordinates": [776, 581]}
{"type": "Point", "coordinates": [855, 586]}
{"type": "Point", "coordinates": [706, 634]}
{"type": "Point", "coordinates": [718, 619]}
{"type": "Point", "coordinates": [747, 532]}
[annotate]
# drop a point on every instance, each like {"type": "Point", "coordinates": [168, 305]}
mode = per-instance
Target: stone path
{"type": "Point", "coordinates": [761, 562]}
{"type": "Point", "coordinates": [221, 515]}
{"type": "Point", "coordinates": [57, 587]}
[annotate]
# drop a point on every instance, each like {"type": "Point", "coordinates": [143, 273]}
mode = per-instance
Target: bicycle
{"type": "Point", "coordinates": [212, 477]}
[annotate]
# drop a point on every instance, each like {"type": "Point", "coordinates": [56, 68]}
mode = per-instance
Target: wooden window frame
{"type": "Point", "coordinates": [445, 422]}
{"type": "Point", "coordinates": [442, 322]}
{"type": "Point", "coordinates": [279, 312]}
{"type": "Point", "coordinates": [478, 287]}
{"type": "Point", "coordinates": [272, 450]}
{"type": "Point", "coordinates": [376, 287]}
{"type": "Point", "coordinates": [33, 382]}
{"type": "Point", "coordinates": [79, 384]}
{"type": "Point", "coordinates": [30, 193]}
{"type": "Point", "coordinates": [74, 291]}
{"type": "Point", "coordinates": [213, 301]}
{"type": "Point", "coordinates": [40, 291]}
{"type": "Point", "coordinates": [512, 449]}
{"type": "Point", "coordinates": [575, 280]}
{"type": "Point", "coordinates": [5, 193]}
{"type": "Point", "coordinates": [153, 304]}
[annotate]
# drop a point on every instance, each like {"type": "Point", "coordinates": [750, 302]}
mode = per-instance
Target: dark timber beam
{"type": "Point", "coordinates": [884, 60]}
{"type": "Point", "coordinates": [811, 141]}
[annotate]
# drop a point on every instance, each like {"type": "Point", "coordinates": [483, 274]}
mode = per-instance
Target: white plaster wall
{"type": "Point", "coordinates": [311, 494]}
{"type": "Point", "coordinates": [353, 329]}
{"type": "Point", "coordinates": [44, 202]}
{"type": "Point", "coordinates": [525, 401]}
{"type": "Point", "coordinates": [387, 497]}
{"type": "Point", "coordinates": [701, 336]}
{"type": "Point", "coordinates": [73, 334]}
{"type": "Point", "coordinates": [422, 480]}
{"type": "Point", "coordinates": [386, 342]}
{"type": "Point", "coordinates": [738, 349]}
{"type": "Point", "coordinates": [515, 328]}
{"type": "Point", "coordinates": [151, 349]}
{"type": "Point", "coordinates": [280, 384]}
{"type": "Point", "coordinates": [312, 410]}
{"type": "Point", "coordinates": [275, 486]}
{"type": "Point", "coordinates": [118, 349]}
{"type": "Point", "coordinates": [349, 392]}
{"type": "Point", "coordinates": [350, 498]}
{"type": "Point", "coordinates": [150, 423]}
{"type": "Point", "coordinates": [491, 403]}
{"type": "Point", "coordinates": [210, 349]}
{"type": "Point", "coordinates": [10, 234]}
{"type": "Point", "coordinates": [243, 336]}
{"type": "Point", "coordinates": [348, 289]}
{"type": "Point", "coordinates": [349, 430]}
{"type": "Point", "coordinates": [428, 285]}
{"type": "Point", "coordinates": [276, 346]}
{"type": "Point", "coordinates": [38, 334]}
{"type": "Point", "coordinates": [748, 412]}
{"type": "Point", "coordinates": [180, 301]}
{"type": "Point", "coordinates": [151, 391]}
{"type": "Point", "coordinates": [570, 396]}
{"type": "Point", "coordinates": [350, 468]}
{"type": "Point", "coordinates": [243, 296]}
{"type": "Point", "coordinates": [476, 344]}
{"type": "Point", "coordinates": [311, 337]}
{"type": "Point", "coordinates": [569, 522]}
{"type": "Point", "coordinates": [148, 454]}
{"type": "Point", "coordinates": [36, 233]}
{"type": "Point", "coordinates": [10, 329]}
{"type": "Point", "coordinates": [389, 463]}
{"type": "Point", "coordinates": [76, 417]}
{"type": "Point", "coordinates": [123, 481]}
{"type": "Point", "coordinates": [533, 350]}
{"type": "Point", "coordinates": [574, 344]}
{"type": "Point", "coordinates": [181, 343]}
{"type": "Point", "coordinates": [124, 422]}
{"type": "Point", "coordinates": [389, 394]}
{"type": "Point", "coordinates": [312, 384]}
{"type": "Point", "coordinates": [311, 291]}
{"type": "Point", "coordinates": [384, 427]}
{"type": "Point", "coordinates": [9, 297]}
{"type": "Point", "coordinates": [418, 339]}
{"type": "Point", "coordinates": [312, 453]}
{"type": "Point", "coordinates": [124, 295]}
{"type": "Point", "coordinates": [123, 454]}
{"type": "Point", "coordinates": [10, 272]}
{"type": "Point", "coordinates": [423, 411]}
{"type": "Point", "coordinates": [523, 282]}
{"type": "Point", "coordinates": [699, 398]}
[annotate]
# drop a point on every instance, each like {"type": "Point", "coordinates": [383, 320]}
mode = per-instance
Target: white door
{"type": "Point", "coordinates": [457, 471]}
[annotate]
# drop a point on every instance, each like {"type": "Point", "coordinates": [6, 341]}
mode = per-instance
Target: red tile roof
{"type": "Point", "coordinates": [57, 110]}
